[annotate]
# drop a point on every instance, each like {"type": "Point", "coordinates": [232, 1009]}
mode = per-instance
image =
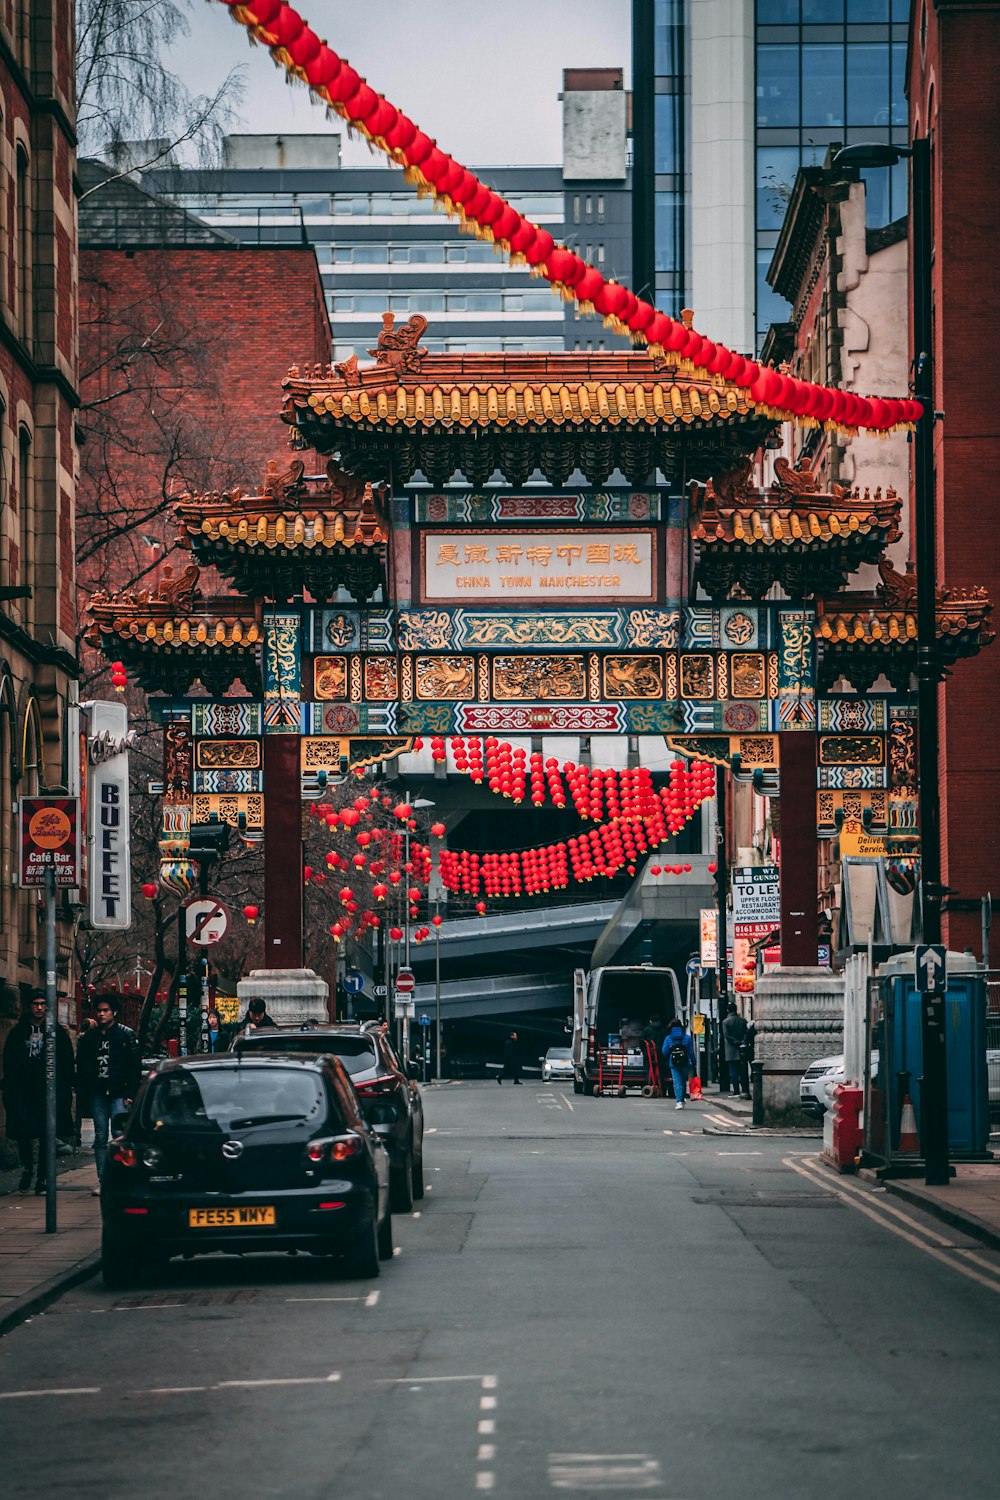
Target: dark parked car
{"type": "Point", "coordinates": [240, 1154]}
{"type": "Point", "coordinates": [390, 1099]}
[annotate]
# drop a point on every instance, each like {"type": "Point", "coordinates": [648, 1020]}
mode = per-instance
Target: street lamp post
{"type": "Point", "coordinates": [934, 1083]}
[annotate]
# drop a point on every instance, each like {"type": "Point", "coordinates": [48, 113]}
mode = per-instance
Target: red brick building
{"type": "Point", "coordinates": [185, 338]}
{"type": "Point", "coordinates": [38, 397]}
{"type": "Point", "coordinates": [953, 98]}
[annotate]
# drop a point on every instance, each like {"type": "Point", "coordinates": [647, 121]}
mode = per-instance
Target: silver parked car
{"type": "Point", "coordinates": [557, 1063]}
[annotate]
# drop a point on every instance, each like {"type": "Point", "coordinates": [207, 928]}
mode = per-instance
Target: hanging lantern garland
{"type": "Point", "coordinates": [295, 47]}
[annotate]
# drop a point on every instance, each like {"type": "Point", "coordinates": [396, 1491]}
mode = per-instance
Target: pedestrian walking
{"type": "Point", "coordinates": [24, 1089]}
{"type": "Point", "coordinates": [678, 1049]}
{"type": "Point", "coordinates": [734, 1030]}
{"type": "Point", "coordinates": [511, 1060]}
{"type": "Point", "coordinates": [108, 1072]}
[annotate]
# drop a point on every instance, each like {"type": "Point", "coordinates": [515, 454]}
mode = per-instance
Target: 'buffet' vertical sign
{"type": "Point", "coordinates": [109, 881]}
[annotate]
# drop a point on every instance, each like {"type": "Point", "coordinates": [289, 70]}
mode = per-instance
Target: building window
{"type": "Point", "coordinates": [867, 84]}
{"type": "Point", "coordinates": [600, 255]}
{"type": "Point", "coordinates": [22, 209]}
{"type": "Point", "coordinates": [822, 86]}
{"type": "Point", "coordinates": [664, 133]}
{"type": "Point", "coordinates": [576, 208]}
{"type": "Point", "coordinates": [25, 520]}
{"type": "Point", "coordinates": [777, 86]}
{"type": "Point", "coordinates": [588, 208]}
{"type": "Point", "coordinates": [600, 208]}
{"type": "Point", "coordinates": [777, 167]}
{"type": "Point", "coordinates": [824, 12]}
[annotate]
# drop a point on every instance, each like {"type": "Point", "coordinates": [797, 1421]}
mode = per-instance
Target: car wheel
{"type": "Point", "coordinates": [119, 1264]}
{"type": "Point", "coordinates": [417, 1176]}
{"type": "Point", "coordinates": [588, 1088]}
{"type": "Point", "coordinates": [401, 1186]}
{"type": "Point", "coordinates": [362, 1259]}
{"type": "Point", "coordinates": [385, 1237]}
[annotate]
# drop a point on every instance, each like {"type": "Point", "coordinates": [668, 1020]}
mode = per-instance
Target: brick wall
{"type": "Point", "coordinates": [201, 338]}
{"type": "Point", "coordinates": [953, 93]}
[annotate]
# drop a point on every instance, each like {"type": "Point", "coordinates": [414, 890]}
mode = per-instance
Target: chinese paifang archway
{"type": "Point", "coordinates": [443, 607]}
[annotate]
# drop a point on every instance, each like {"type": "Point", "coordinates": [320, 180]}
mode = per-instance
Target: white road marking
{"type": "Point", "coordinates": [604, 1471]}
{"type": "Point", "coordinates": [226, 1385]}
{"type": "Point", "coordinates": [148, 1307]}
{"type": "Point", "coordinates": [484, 1479]}
{"type": "Point", "coordinates": [319, 1299]}
{"type": "Point", "coordinates": [877, 1211]}
{"type": "Point", "coordinates": [486, 1426]}
{"type": "Point", "coordinates": [739, 1153]}
{"type": "Point", "coordinates": [431, 1130]}
{"type": "Point", "coordinates": [489, 1382]}
{"type": "Point", "coordinates": [486, 1453]}
{"type": "Point", "coordinates": [569, 1105]}
{"type": "Point", "coordinates": [371, 1299]}
{"type": "Point", "coordinates": [396, 1249]}
{"type": "Point", "coordinates": [425, 1379]}
{"type": "Point", "coordinates": [487, 1403]}
{"type": "Point", "coordinates": [416, 1213]}
{"type": "Point", "coordinates": [68, 1390]}
{"type": "Point", "coordinates": [175, 1390]}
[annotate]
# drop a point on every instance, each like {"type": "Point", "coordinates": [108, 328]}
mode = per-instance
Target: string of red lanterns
{"type": "Point", "coordinates": [297, 48]}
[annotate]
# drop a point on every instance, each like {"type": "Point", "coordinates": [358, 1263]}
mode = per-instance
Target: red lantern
{"type": "Point", "coordinates": [481, 908]}
{"type": "Point", "coordinates": [251, 913]}
{"type": "Point", "coordinates": [437, 919]}
{"type": "Point", "coordinates": [396, 933]}
{"type": "Point", "coordinates": [149, 890]}
{"type": "Point", "coordinates": [438, 830]}
{"type": "Point", "coordinates": [380, 891]}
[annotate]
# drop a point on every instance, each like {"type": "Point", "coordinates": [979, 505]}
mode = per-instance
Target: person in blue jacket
{"type": "Point", "coordinates": [678, 1049]}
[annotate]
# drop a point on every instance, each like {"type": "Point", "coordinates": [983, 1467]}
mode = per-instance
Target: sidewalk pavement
{"type": "Point", "coordinates": [970, 1202]}
{"type": "Point", "coordinates": [35, 1267]}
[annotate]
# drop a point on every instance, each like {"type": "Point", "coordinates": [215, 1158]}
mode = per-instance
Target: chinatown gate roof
{"type": "Point", "coordinates": [472, 414]}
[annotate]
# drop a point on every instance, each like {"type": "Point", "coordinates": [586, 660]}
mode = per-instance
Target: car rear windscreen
{"type": "Point", "coordinates": [357, 1053]}
{"type": "Point", "coordinates": [231, 1098]}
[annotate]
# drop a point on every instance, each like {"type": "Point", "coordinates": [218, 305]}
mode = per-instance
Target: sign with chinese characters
{"type": "Point", "coordinates": [538, 566]}
{"type": "Point", "coordinates": [109, 884]}
{"type": "Point", "coordinates": [49, 839]}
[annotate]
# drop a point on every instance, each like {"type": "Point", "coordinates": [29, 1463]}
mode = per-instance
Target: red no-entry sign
{"type": "Point", "coordinates": [405, 981]}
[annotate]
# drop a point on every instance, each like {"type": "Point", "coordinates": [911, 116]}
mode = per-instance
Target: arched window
{"type": "Point", "coordinates": [22, 243]}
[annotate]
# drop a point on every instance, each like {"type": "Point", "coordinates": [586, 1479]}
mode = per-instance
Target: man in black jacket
{"type": "Point", "coordinates": [24, 1087]}
{"type": "Point", "coordinates": [108, 1072]}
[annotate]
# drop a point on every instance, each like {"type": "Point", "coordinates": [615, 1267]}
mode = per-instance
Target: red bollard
{"type": "Point", "coordinates": [847, 1127]}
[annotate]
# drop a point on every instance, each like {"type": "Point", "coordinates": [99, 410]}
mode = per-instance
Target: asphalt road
{"type": "Point", "coordinates": [594, 1297]}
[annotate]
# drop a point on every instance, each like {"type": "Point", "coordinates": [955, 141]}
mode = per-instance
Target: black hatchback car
{"type": "Point", "coordinates": [390, 1100]}
{"type": "Point", "coordinates": [240, 1154]}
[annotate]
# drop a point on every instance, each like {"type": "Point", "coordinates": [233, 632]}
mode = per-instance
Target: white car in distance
{"type": "Point", "coordinates": [557, 1064]}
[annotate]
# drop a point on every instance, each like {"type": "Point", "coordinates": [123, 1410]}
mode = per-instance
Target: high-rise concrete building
{"type": "Point", "coordinates": [730, 99]}
{"type": "Point", "coordinates": [382, 247]}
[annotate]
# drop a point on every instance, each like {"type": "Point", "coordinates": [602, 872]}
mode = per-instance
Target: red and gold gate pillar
{"type": "Point", "coordinates": [799, 849]}
{"type": "Point", "coordinates": [282, 852]}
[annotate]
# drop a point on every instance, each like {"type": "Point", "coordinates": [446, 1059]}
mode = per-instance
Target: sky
{"type": "Point", "coordinates": [483, 78]}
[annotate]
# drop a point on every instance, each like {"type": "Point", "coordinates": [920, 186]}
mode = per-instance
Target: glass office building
{"type": "Point", "coordinates": [730, 98]}
{"type": "Point", "coordinates": [827, 71]}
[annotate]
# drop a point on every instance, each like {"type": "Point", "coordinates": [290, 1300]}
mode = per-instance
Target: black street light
{"type": "Point", "coordinates": [934, 1084]}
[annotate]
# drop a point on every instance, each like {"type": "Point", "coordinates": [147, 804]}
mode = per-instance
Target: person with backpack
{"type": "Point", "coordinates": [678, 1049]}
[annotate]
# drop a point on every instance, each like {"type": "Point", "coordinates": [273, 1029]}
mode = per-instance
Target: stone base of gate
{"type": "Point", "coordinates": [799, 1014]}
{"type": "Point", "coordinates": [292, 996]}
